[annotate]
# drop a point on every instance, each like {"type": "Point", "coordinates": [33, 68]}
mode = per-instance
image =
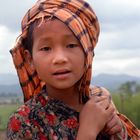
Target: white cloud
{"type": "Point", "coordinates": [122, 13]}
{"type": "Point", "coordinates": [117, 66]}
{"type": "Point", "coordinates": [128, 3]}
{"type": "Point", "coordinates": [7, 39]}
{"type": "Point", "coordinates": [12, 12]}
{"type": "Point", "coordinates": [121, 39]}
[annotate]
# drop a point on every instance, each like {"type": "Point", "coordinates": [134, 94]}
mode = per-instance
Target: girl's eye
{"type": "Point", "coordinates": [72, 45]}
{"type": "Point", "coordinates": [45, 49]}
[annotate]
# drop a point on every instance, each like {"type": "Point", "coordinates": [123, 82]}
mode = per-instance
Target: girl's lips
{"type": "Point", "coordinates": [61, 71]}
{"type": "Point", "coordinates": [62, 74]}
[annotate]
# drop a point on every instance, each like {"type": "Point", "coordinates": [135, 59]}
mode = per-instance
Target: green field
{"type": "Point", "coordinates": [5, 112]}
{"type": "Point", "coordinates": [129, 106]}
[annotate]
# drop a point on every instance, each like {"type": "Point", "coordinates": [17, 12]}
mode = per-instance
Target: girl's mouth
{"type": "Point", "coordinates": [62, 74]}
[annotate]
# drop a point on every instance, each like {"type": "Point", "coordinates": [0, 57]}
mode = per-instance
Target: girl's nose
{"type": "Point", "coordinates": [60, 57]}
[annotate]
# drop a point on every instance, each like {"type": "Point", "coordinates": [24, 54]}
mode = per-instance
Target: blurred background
{"type": "Point", "coordinates": [116, 65]}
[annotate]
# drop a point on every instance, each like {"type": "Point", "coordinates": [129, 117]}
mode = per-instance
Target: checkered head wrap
{"type": "Point", "coordinates": [81, 19]}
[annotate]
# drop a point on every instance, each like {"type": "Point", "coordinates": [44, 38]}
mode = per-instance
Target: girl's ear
{"type": "Point", "coordinates": [28, 58]}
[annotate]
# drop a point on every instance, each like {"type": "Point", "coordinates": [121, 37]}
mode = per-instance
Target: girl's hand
{"type": "Point", "coordinates": [94, 117]}
{"type": "Point", "coordinates": [113, 126]}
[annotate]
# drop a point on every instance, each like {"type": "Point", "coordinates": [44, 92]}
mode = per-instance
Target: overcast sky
{"type": "Point", "coordinates": [118, 49]}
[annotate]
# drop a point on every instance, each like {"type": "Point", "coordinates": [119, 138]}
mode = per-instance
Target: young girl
{"type": "Point", "coordinates": [53, 58]}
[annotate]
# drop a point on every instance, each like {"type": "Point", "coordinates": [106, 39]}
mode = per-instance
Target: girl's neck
{"type": "Point", "coordinates": [69, 96]}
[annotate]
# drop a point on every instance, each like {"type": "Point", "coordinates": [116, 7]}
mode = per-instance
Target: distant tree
{"type": "Point", "coordinates": [126, 91]}
{"type": "Point", "coordinates": [138, 88]}
{"type": "Point", "coordinates": [0, 120]}
{"type": "Point", "coordinates": [129, 88]}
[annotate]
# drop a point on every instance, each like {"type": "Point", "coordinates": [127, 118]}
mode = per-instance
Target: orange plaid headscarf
{"type": "Point", "coordinates": [81, 19]}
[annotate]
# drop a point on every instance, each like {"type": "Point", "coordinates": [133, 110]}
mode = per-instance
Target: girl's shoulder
{"type": "Point", "coordinates": [19, 124]}
{"type": "Point", "coordinates": [38, 101]}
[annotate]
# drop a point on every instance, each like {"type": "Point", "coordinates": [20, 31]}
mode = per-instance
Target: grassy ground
{"type": "Point", "coordinates": [2, 135]}
{"type": "Point", "coordinates": [5, 111]}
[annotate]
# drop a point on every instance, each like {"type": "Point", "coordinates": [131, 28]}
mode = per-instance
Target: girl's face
{"type": "Point", "coordinates": [57, 55]}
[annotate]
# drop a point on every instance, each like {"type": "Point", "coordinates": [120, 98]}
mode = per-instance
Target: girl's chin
{"type": "Point", "coordinates": [61, 86]}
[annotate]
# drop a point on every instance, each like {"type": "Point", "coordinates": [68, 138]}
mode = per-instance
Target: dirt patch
{"type": "Point", "coordinates": [2, 135]}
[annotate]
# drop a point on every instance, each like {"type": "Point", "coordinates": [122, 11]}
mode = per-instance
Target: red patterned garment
{"type": "Point", "coordinates": [45, 118]}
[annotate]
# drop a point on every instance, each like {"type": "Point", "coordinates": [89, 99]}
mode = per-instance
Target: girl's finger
{"type": "Point", "coordinates": [105, 103]}
{"type": "Point", "coordinates": [109, 102]}
{"type": "Point", "coordinates": [110, 124]}
{"type": "Point", "coordinates": [114, 125]}
{"type": "Point", "coordinates": [98, 99]}
{"type": "Point", "coordinates": [110, 112]}
{"type": "Point", "coordinates": [115, 129]}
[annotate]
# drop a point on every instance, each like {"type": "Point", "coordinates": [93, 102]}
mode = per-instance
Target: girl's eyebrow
{"type": "Point", "coordinates": [44, 39]}
{"type": "Point", "coordinates": [65, 36]}
{"type": "Point", "coordinates": [70, 36]}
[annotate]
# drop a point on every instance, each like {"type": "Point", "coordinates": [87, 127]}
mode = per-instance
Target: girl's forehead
{"type": "Point", "coordinates": [53, 27]}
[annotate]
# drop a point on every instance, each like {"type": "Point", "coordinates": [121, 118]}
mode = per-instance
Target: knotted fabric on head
{"type": "Point", "coordinates": [79, 17]}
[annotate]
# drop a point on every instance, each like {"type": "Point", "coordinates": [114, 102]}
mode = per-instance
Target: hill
{"type": "Point", "coordinates": [8, 79]}
{"type": "Point", "coordinates": [113, 82]}
{"type": "Point", "coordinates": [10, 89]}
{"type": "Point", "coordinates": [9, 82]}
